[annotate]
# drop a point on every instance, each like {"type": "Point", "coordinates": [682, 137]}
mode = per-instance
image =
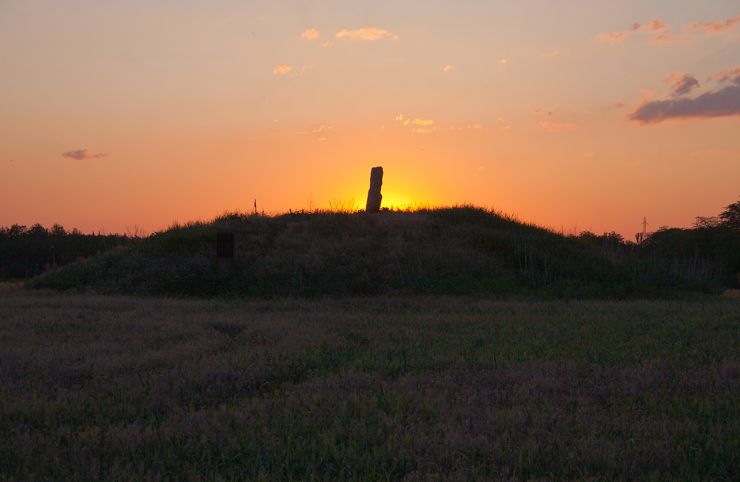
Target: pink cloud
{"type": "Point", "coordinates": [652, 26]}
{"type": "Point", "coordinates": [82, 155]}
{"type": "Point", "coordinates": [369, 34]}
{"type": "Point", "coordinates": [716, 27]}
{"type": "Point", "coordinates": [667, 38]}
{"type": "Point", "coordinates": [732, 74]}
{"type": "Point", "coordinates": [613, 37]}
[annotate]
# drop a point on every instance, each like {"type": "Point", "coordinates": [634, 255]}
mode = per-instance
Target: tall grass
{"type": "Point", "coordinates": [433, 388]}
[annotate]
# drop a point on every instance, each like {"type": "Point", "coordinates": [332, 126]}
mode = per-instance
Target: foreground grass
{"type": "Point", "coordinates": [98, 387]}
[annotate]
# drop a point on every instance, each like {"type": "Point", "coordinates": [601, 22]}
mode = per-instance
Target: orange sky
{"type": "Point", "coordinates": [569, 114]}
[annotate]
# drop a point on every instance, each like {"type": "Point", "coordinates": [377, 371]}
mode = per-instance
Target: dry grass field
{"type": "Point", "coordinates": [97, 387]}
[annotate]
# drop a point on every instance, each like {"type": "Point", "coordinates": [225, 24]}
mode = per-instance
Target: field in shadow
{"type": "Point", "coordinates": [430, 388]}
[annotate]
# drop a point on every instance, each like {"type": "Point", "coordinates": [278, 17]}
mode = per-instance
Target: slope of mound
{"type": "Point", "coordinates": [441, 251]}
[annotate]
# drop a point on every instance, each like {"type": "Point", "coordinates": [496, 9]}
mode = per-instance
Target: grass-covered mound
{"type": "Point", "coordinates": [453, 251]}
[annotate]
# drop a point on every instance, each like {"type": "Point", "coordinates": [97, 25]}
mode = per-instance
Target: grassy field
{"type": "Point", "coordinates": [95, 387]}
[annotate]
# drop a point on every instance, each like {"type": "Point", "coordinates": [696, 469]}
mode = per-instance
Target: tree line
{"type": "Point", "coordinates": [709, 251]}
{"type": "Point", "coordinates": [27, 251]}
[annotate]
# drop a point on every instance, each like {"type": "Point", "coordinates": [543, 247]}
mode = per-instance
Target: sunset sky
{"type": "Point", "coordinates": [571, 114]}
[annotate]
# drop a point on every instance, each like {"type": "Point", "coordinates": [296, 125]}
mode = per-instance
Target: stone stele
{"type": "Point", "coordinates": [374, 198]}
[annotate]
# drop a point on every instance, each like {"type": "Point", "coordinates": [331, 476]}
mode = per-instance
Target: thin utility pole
{"type": "Point", "coordinates": [640, 237]}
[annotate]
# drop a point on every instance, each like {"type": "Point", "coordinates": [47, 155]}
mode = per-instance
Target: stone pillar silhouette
{"type": "Point", "coordinates": [374, 198]}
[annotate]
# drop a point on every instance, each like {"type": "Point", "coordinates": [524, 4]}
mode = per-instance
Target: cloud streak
{"type": "Point", "coordinates": [716, 27]}
{"type": "Point", "coordinates": [667, 38]}
{"type": "Point", "coordinates": [613, 38]}
{"type": "Point", "coordinates": [418, 125]}
{"type": "Point", "coordinates": [369, 34]}
{"type": "Point", "coordinates": [657, 31]}
{"type": "Point", "coordinates": [83, 155]}
{"type": "Point", "coordinates": [722, 102]}
{"type": "Point", "coordinates": [652, 26]}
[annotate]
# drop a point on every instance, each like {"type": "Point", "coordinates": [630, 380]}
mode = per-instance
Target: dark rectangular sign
{"type": "Point", "coordinates": [225, 245]}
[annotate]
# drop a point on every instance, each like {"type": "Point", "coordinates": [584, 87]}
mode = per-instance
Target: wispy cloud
{"type": "Point", "coordinates": [721, 102]}
{"type": "Point", "coordinates": [369, 34]}
{"type": "Point", "coordinates": [612, 38]}
{"type": "Point", "coordinates": [651, 26]}
{"type": "Point", "coordinates": [282, 69]}
{"type": "Point", "coordinates": [419, 125]}
{"type": "Point", "coordinates": [668, 38]}
{"type": "Point", "coordinates": [725, 75]}
{"type": "Point", "coordinates": [656, 29]}
{"type": "Point", "coordinates": [418, 121]}
{"type": "Point", "coordinates": [716, 27]}
{"type": "Point", "coordinates": [82, 154]}
{"type": "Point", "coordinates": [310, 34]}
{"type": "Point", "coordinates": [448, 68]}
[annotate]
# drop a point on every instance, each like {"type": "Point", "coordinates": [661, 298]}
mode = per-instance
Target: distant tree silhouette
{"type": "Point", "coordinates": [16, 231]}
{"type": "Point", "coordinates": [707, 222]}
{"type": "Point", "coordinates": [711, 250]}
{"type": "Point", "coordinates": [58, 230]}
{"type": "Point", "coordinates": [730, 217]}
{"type": "Point", "coordinates": [38, 230]}
{"type": "Point", "coordinates": [26, 252]}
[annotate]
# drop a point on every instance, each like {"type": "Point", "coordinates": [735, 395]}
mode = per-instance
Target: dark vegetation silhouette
{"type": "Point", "coordinates": [707, 253]}
{"type": "Point", "coordinates": [29, 251]}
{"type": "Point", "coordinates": [462, 250]}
